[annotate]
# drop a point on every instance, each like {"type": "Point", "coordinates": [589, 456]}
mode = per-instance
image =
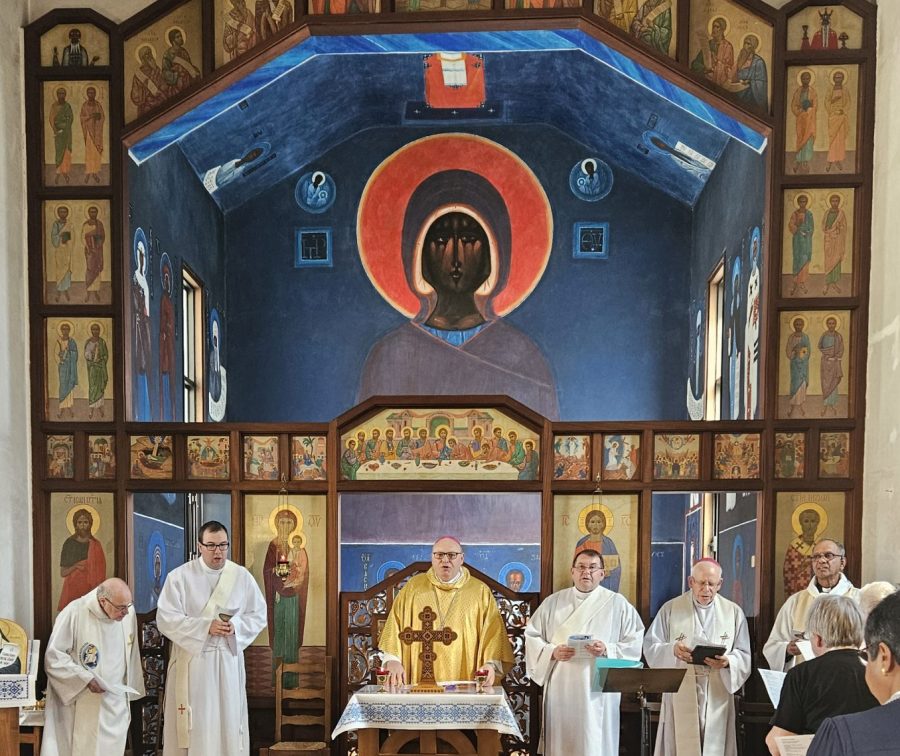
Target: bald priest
{"type": "Point", "coordinates": [93, 667]}
{"type": "Point", "coordinates": [462, 604]}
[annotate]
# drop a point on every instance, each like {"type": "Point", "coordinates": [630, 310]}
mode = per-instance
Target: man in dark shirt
{"type": "Point", "coordinates": [834, 682]}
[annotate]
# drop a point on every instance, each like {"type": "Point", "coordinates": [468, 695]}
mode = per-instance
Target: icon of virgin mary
{"type": "Point", "coordinates": [458, 250]}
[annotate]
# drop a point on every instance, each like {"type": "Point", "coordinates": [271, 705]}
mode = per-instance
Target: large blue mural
{"type": "Point", "coordinates": [175, 227]}
{"type": "Point", "coordinates": [416, 232]}
{"type": "Point", "coordinates": [728, 230]}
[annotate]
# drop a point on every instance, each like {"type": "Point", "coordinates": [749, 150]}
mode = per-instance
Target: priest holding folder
{"type": "Point", "coordinates": [578, 721]}
{"type": "Point", "coordinates": [700, 717]}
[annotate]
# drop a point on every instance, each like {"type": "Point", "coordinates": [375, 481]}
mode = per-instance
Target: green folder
{"type": "Point", "coordinates": [602, 665]}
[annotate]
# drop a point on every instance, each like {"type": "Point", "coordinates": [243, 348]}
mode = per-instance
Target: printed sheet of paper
{"type": "Point", "coordinates": [793, 745]}
{"type": "Point", "coordinates": [119, 689]}
{"type": "Point", "coordinates": [806, 649]}
{"type": "Point", "coordinates": [773, 680]}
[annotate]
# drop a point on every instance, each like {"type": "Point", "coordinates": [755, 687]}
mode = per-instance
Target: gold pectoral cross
{"type": "Point", "coordinates": [427, 636]}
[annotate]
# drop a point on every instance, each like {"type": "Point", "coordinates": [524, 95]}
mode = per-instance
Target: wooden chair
{"type": "Point", "coordinates": [145, 732]}
{"type": "Point", "coordinates": [308, 705]}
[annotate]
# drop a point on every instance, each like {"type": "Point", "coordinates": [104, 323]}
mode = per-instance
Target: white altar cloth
{"type": "Point", "coordinates": [450, 710]}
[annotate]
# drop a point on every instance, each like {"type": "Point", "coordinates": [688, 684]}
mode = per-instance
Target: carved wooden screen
{"type": "Point", "coordinates": [146, 714]}
{"type": "Point", "coordinates": [363, 614]}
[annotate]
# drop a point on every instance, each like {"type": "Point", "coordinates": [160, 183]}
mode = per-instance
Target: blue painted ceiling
{"type": "Point", "coordinates": [325, 89]}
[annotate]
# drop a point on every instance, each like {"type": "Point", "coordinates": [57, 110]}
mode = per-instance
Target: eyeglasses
{"type": "Point", "coordinates": [863, 655]}
{"type": "Point", "coordinates": [827, 556]}
{"type": "Point", "coordinates": [589, 570]}
{"type": "Point", "coordinates": [118, 607]}
{"type": "Point", "coordinates": [215, 546]}
{"type": "Point", "coordinates": [442, 555]}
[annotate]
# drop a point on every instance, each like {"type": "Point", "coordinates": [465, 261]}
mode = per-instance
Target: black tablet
{"type": "Point", "coordinates": [705, 652]}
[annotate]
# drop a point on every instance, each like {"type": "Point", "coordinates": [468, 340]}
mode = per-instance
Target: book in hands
{"type": "Point", "coordinates": [578, 642]}
{"type": "Point", "coordinates": [706, 652]}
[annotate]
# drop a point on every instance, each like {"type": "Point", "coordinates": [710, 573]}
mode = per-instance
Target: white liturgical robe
{"type": "Point", "coordinates": [792, 618]}
{"type": "Point", "coordinates": [206, 682]}
{"type": "Point", "coordinates": [720, 623]}
{"type": "Point", "coordinates": [86, 644]}
{"type": "Point", "coordinates": [578, 722]}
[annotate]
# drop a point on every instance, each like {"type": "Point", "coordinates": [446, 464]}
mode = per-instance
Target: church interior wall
{"type": "Point", "coordinates": [581, 314]}
{"type": "Point", "coordinates": [881, 476]}
{"type": "Point", "coordinates": [883, 413]}
{"type": "Point", "coordinates": [114, 10]}
{"type": "Point", "coordinates": [15, 459]}
{"type": "Point", "coordinates": [667, 533]}
{"type": "Point", "coordinates": [502, 532]}
{"type": "Point", "coordinates": [186, 225]}
{"type": "Point", "coordinates": [731, 206]}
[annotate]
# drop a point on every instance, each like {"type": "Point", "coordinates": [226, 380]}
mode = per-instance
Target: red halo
{"type": "Point", "coordinates": [379, 222]}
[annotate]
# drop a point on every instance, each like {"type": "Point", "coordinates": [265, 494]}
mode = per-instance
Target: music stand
{"type": "Point", "coordinates": [640, 682]}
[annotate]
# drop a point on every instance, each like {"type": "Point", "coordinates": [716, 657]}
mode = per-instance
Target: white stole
{"type": "Point", "coordinates": [682, 625]}
{"type": "Point", "coordinates": [580, 617]}
{"type": "Point", "coordinates": [181, 659]}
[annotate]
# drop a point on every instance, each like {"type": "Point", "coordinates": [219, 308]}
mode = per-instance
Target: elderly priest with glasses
{"type": "Point", "coordinates": [460, 603]}
{"type": "Point", "coordinates": [707, 634]}
{"type": "Point", "coordinates": [578, 721]}
{"type": "Point", "coordinates": [211, 609]}
{"type": "Point", "coordinates": [828, 562]}
{"type": "Point", "coordinates": [93, 669]}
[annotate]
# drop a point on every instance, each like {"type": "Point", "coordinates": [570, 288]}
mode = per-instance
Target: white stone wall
{"type": "Point", "coordinates": [15, 457]}
{"type": "Point", "coordinates": [114, 10]}
{"type": "Point", "coordinates": [881, 489]}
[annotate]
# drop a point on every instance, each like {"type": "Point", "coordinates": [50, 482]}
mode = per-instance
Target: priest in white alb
{"type": "Point", "coordinates": [828, 561]}
{"type": "Point", "coordinates": [578, 721]}
{"type": "Point", "coordinates": [461, 603]}
{"type": "Point", "coordinates": [700, 717]}
{"type": "Point", "coordinates": [211, 609]}
{"type": "Point", "coordinates": [93, 666]}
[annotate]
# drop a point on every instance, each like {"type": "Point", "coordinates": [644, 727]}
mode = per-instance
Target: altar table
{"type": "Point", "coordinates": [428, 716]}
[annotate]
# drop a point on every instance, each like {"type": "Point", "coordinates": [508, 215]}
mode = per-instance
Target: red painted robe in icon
{"type": "Point", "coordinates": [454, 80]}
{"type": "Point", "coordinates": [825, 39]}
{"type": "Point", "coordinates": [797, 568]}
{"type": "Point", "coordinates": [88, 568]}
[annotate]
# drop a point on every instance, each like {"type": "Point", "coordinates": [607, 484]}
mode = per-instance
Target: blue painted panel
{"type": "Point", "coordinates": [481, 518]}
{"type": "Point", "coordinates": [499, 533]}
{"type": "Point", "coordinates": [363, 565]}
{"type": "Point", "coordinates": [737, 547]}
{"type": "Point", "coordinates": [667, 516]}
{"type": "Point", "coordinates": [665, 573]}
{"type": "Point", "coordinates": [518, 65]}
{"type": "Point", "coordinates": [159, 544]}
